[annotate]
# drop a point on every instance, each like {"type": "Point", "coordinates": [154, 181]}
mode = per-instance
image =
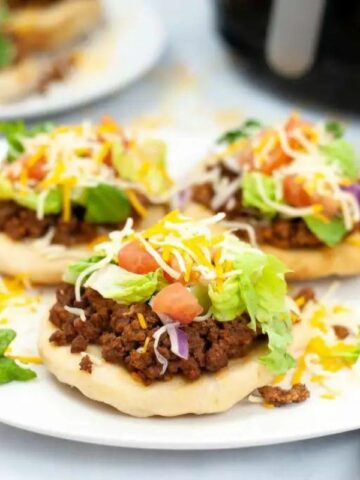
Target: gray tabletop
{"type": "Point", "coordinates": [194, 83]}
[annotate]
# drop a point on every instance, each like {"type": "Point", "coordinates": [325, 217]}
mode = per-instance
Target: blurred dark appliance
{"type": "Point", "coordinates": [309, 47]}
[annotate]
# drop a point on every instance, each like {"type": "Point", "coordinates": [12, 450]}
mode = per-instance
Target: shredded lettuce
{"type": "Point", "coordinates": [52, 202]}
{"type": "Point", "coordinates": [244, 131]}
{"type": "Point", "coordinates": [123, 286]}
{"type": "Point", "coordinates": [16, 132]}
{"type": "Point", "coordinates": [227, 303]}
{"type": "Point", "coordinates": [334, 128]}
{"type": "Point", "coordinates": [341, 153]}
{"type": "Point", "coordinates": [6, 190]}
{"type": "Point", "coordinates": [74, 269]}
{"type": "Point", "coordinates": [144, 164]}
{"type": "Point", "coordinates": [260, 291]}
{"type": "Point", "coordinates": [9, 369]}
{"type": "Point", "coordinates": [106, 204]}
{"type": "Point", "coordinates": [251, 196]}
{"type": "Point", "coordinates": [330, 232]}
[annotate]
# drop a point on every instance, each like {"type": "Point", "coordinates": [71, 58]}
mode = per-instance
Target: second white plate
{"type": "Point", "coordinates": [128, 45]}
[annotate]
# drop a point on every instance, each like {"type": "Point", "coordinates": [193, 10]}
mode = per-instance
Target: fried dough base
{"type": "Point", "coordinates": [114, 385]}
{"type": "Point", "coordinates": [306, 263]}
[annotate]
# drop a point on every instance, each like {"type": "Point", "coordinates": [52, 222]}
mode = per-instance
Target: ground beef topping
{"type": "Point", "coordinates": [279, 397]}
{"type": "Point", "coordinates": [117, 330]}
{"type": "Point", "coordinates": [341, 332]}
{"type": "Point", "coordinates": [19, 223]}
{"type": "Point", "coordinates": [281, 233]}
{"type": "Point", "coordinates": [86, 364]}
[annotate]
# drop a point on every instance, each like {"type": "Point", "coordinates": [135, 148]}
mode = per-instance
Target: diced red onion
{"type": "Point", "coordinates": [178, 340]}
{"type": "Point", "coordinates": [354, 189]}
{"type": "Point", "coordinates": [182, 198]}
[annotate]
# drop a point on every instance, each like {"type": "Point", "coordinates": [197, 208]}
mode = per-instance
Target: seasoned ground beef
{"type": "Point", "coordinates": [341, 332]}
{"type": "Point", "coordinates": [86, 364]}
{"type": "Point", "coordinates": [19, 223]}
{"type": "Point", "coordinates": [279, 397]}
{"type": "Point", "coordinates": [281, 233]}
{"type": "Point", "coordinates": [117, 330]}
{"type": "Point", "coordinates": [306, 295]}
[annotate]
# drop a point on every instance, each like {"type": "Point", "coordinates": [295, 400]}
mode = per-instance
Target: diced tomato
{"type": "Point", "coordinates": [295, 193]}
{"type": "Point", "coordinates": [177, 302]}
{"type": "Point", "coordinates": [37, 171]}
{"type": "Point", "coordinates": [277, 158]}
{"type": "Point", "coordinates": [330, 206]}
{"type": "Point", "coordinates": [295, 121]}
{"type": "Point", "coordinates": [134, 258]}
{"type": "Point", "coordinates": [296, 196]}
{"type": "Point", "coordinates": [174, 264]}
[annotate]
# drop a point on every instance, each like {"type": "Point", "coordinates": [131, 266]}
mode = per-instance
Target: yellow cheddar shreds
{"type": "Point", "coordinates": [142, 321]}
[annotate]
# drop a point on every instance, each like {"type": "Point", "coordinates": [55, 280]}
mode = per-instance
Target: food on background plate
{"type": "Point", "coordinates": [292, 188]}
{"type": "Point", "coordinates": [37, 42]}
{"type": "Point", "coordinates": [64, 187]}
{"type": "Point", "coordinates": [172, 320]}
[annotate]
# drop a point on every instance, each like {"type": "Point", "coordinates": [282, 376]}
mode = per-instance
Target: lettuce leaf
{"type": "Point", "coordinates": [6, 337]}
{"type": "Point", "coordinates": [251, 196]}
{"type": "Point", "coordinates": [144, 164]}
{"type": "Point", "coordinates": [330, 232]}
{"type": "Point", "coordinates": [106, 204]}
{"type": "Point", "coordinates": [227, 303]}
{"type": "Point", "coordinates": [334, 128]}
{"type": "Point", "coordinates": [244, 131]}
{"type": "Point", "coordinates": [6, 189]}
{"type": "Point", "coordinates": [16, 132]}
{"type": "Point", "coordinates": [9, 369]}
{"type": "Point", "coordinates": [52, 204]}
{"type": "Point", "coordinates": [74, 269]}
{"type": "Point", "coordinates": [341, 153]}
{"type": "Point", "coordinates": [259, 290]}
{"type": "Point", "coordinates": [123, 286]}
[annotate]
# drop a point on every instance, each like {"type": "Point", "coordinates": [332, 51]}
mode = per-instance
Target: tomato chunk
{"type": "Point", "coordinates": [177, 302]}
{"type": "Point", "coordinates": [174, 264]}
{"type": "Point", "coordinates": [295, 193]}
{"type": "Point", "coordinates": [37, 171]}
{"type": "Point", "coordinates": [296, 196]}
{"type": "Point", "coordinates": [277, 158]}
{"type": "Point", "coordinates": [134, 258]}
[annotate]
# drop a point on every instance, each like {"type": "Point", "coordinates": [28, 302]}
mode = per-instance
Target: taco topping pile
{"type": "Point", "coordinates": [174, 299]}
{"type": "Point", "coordinates": [296, 183]}
{"type": "Point", "coordinates": [65, 182]}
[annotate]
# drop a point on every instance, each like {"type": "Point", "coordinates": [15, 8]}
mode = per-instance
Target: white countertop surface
{"type": "Point", "coordinates": [194, 84]}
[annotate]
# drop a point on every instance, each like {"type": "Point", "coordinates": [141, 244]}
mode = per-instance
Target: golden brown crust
{"type": "Point", "coordinates": [113, 385]}
{"type": "Point", "coordinates": [306, 264]}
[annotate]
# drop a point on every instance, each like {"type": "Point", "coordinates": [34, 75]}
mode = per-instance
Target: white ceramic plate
{"type": "Point", "coordinates": [49, 408]}
{"type": "Point", "coordinates": [128, 45]}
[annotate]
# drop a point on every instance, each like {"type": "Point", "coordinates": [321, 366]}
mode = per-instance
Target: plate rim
{"type": "Point", "coordinates": [90, 98]}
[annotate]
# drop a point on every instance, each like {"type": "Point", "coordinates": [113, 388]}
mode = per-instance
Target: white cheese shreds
{"type": "Point", "coordinates": [76, 311]}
